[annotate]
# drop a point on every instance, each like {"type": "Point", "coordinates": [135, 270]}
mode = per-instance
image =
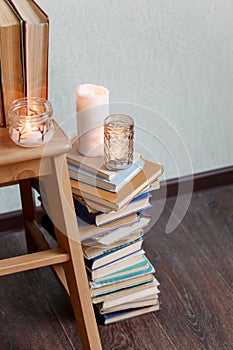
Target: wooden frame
{"type": "Point", "coordinates": [48, 163]}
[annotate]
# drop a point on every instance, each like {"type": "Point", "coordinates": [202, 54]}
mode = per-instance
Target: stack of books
{"type": "Point", "coordinates": [111, 207]}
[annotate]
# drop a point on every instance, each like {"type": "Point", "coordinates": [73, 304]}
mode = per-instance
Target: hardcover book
{"type": "Point", "coordinates": [95, 165]}
{"type": "Point", "coordinates": [92, 231]}
{"type": "Point", "coordinates": [138, 295]}
{"type": "Point", "coordinates": [115, 201]}
{"type": "Point", "coordinates": [93, 207]}
{"type": "Point", "coordinates": [105, 288]}
{"type": "Point", "coordinates": [92, 248]}
{"type": "Point", "coordinates": [129, 305]}
{"type": "Point", "coordinates": [141, 265]}
{"type": "Point", "coordinates": [127, 261]}
{"type": "Point", "coordinates": [113, 255]}
{"type": "Point", "coordinates": [140, 203]}
{"type": "Point", "coordinates": [149, 269]}
{"type": "Point", "coordinates": [124, 291]}
{"type": "Point", "coordinates": [11, 59]}
{"type": "Point", "coordinates": [113, 185]}
{"type": "Point", "coordinates": [126, 314]}
{"type": "Point", "coordinates": [2, 116]}
{"type": "Point", "coordinates": [35, 41]}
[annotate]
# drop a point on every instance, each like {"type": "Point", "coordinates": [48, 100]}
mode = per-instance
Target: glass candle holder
{"type": "Point", "coordinates": [118, 141]}
{"type": "Point", "coordinates": [31, 122]}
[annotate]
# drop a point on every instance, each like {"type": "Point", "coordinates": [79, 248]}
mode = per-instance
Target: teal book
{"type": "Point", "coordinates": [101, 290]}
{"type": "Point", "coordinates": [127, 275]}
{"type": "Point", "coordinates": [125, 290]}
{"type": "Point", "coordinates": [113, 185]}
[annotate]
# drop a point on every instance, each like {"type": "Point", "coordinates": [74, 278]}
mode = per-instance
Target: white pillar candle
{"type": "Point", "coordinates": [92, 106]}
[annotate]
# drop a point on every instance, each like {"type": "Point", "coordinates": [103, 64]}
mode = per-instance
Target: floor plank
{"type": "Point", "coordinates": [194, 266]}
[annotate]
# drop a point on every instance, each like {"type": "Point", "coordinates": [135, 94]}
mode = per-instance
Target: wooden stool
{"type": "Point", "coordinates": [48, 163]}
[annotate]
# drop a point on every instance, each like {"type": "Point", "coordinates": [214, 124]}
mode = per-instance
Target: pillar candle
{"type": "Point", "coordinates": [92, 106]}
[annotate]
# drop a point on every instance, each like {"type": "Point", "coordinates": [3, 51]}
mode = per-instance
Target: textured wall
{"type": "Point", "coordinates": [174, 57]}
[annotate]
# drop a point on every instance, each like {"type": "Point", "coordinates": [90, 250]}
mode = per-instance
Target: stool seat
{"type": "Point", "coordinates": [47, 164]}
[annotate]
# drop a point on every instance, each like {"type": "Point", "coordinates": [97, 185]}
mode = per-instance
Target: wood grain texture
{"type": "Point", "coordinates": [59, 202]}
{"type": "Point", "coordinates": [193, 265]}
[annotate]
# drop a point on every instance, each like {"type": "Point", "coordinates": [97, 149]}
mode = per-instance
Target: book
{"type": "Point", "coordinates": [106, 319]}
{"type": "Point", "coordinates": [115, 235]}
{"type": "Point", "coordinates": [147, 292]}
{"type": "Point", "coordinates": [99, 218]}
{"type": "Point", "coordinates": [150, 172]}
{"type": "Point", "coordinates": [92, 248]}
{"type": "Point", "coordinates": [11, 59]}
{"type": "Point", "coordinates": [130, 305]}
{"type": "Point", "coordinates": [112, 185]}
{"type": "Point", "coordinates": [92, 231]}
{"type": "Point", "coordinates": [149, 269]}
{"type": "Point", "coordinates": [106, 288]}
{"type": "Point", "coordinates": [128, 261]}
{"type": "Point", "coordinates": [2, 116]}
{"type": "Point", "coordinates": [95, 165]}
{"type": "Point", "coordinates": [96, 208]}
{"type": "Point", "coordinates": [35, 41]}
{"type": "Point", "coordinates": [113, 254]}
{"type": "Point", "coordinates": [124, 291]}
{"type": "Point", "coordinates": [141, 265]}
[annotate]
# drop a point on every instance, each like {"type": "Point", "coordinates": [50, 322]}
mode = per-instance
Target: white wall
{"type": "Point", "coordinates": [174, 57]}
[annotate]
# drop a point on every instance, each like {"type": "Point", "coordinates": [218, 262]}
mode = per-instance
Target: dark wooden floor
{"type": "Point", "coordinates": [194, 266]}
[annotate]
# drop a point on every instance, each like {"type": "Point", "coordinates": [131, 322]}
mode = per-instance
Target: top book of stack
{"type": "Point", "coordinates": [24, 41]}
{"type": "Point", "coordinates": [95, 165]}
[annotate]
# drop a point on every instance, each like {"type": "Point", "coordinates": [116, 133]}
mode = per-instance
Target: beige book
{"type": "Point", "coordinates": [131, 305]}
{"type": "Point", "coordinates": [88, 231]}
{"type": "Point", "coordinates": [11, 59]}
{"type": "Point", "coordinates": [115, 317]}
{"type": "Point", "coordinates": [36, 41]}
{"type": "Point", "coordinates": [94, 165]}
{"type": "Point", "coordinates": [150, 172]}
{"type": "Point", "coordinates": [2, 117]}
{"type": "Point", "coordinates": [125, 291]}
{"type": "Point", "coordinates": [97, 290]}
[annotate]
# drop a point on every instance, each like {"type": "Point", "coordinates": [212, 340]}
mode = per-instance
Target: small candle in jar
{"type": "Point", "coordinates": [30, 121]}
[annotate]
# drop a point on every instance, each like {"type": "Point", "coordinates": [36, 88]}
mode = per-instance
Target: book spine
{"type": "Point", "coordinates": [2, 116]}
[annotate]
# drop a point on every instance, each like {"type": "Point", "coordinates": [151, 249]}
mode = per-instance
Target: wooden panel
{"type": "Point", "coordinates": [34, 230]}
{"type": "Point", "coordinates": [32, 261]}
{"type": "Point", "coordinates": [12, 154]}
{"type": "Point", "coordinates": [24, 170]}
{"type": "Point", "coordinates": [58, 190]}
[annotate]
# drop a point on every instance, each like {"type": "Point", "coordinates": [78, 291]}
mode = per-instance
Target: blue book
{"type": "Point", "coordinates": [113, 254]}
{"type": "Point", "coordinates": [113, 185]}
{"type": "Point", "coordinates": [117, 316]}
{"type": "Point", "coordinates": [101, 218]}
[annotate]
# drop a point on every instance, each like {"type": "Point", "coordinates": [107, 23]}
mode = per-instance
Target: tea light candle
{"type": "Point", "coordinates": [30, 121]}
{"type": "Point", "coordinates": [92, 106]}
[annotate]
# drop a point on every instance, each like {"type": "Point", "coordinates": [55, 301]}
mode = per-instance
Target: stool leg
{"type": "Point", "coordinates": [60, 205]}
{"type": "Point", "coordinates": [28, 208]}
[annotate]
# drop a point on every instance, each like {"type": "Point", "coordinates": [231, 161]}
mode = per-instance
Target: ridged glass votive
{"type": "Point", "coordinates": [31, 122]}
{"type": "Point", "coordinates": [118, 141]}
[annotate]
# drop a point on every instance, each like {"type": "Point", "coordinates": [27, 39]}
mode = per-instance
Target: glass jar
{"type": "Point", "coordinates": [31, 123]}
{"type": "Point", "coordinates": [118, 141]}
